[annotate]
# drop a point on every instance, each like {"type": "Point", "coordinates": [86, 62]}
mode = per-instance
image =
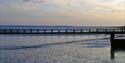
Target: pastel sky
{"type": "Point", "coordinates": [63, 12]}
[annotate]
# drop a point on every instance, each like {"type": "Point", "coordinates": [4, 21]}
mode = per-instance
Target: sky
{"type": "Point", "coordinates": [63, 12]}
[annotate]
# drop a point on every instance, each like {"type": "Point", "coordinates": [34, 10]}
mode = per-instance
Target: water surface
{"type": "Point", "coordinates": [57, 49]}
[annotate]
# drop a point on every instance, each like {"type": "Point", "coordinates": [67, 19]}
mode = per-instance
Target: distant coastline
{"type": "Point", "coordinates": [57, 26]}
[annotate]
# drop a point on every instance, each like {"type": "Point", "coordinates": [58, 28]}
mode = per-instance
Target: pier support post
{"type": "Point", "coordinates": [24, 31]}
{"type": "Point", "coordinates": [81, 30]}
{"type": "Point", "coordinates": [59, 31]}
{"type": "Point", "coordinates": [74, 31]}
{"type": "Point", "coordinates": [66, 31]}
{"type": "Point", "coordinates": [112, 37]}
{"type": "Point", "coordinates": [89, 30]}
{"type": "Point", "coordinates": [17, 31]}
{"type": "Point", "coordinates": [30, 31]}
{"type": "Point", "coordinates": [11, 32]}
{"type": "Point", "coordinates": [37, 31]}
{"type": "Point", "coordinates": [51, 31]}
{"type": "Point", "coordinates": [4, 31]}
{"type": "Point", "coordinates": [44, 31]}
{"type": "Point", "coordinates": [97, 30]}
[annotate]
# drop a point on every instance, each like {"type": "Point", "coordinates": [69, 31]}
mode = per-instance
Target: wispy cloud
{"type": "Point", "coordinates": [62, 11]}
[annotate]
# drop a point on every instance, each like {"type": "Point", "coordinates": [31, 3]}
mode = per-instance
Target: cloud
{"type": "Point", "coordinates": [62, 11]}
{"type": "Point", "coordinates": [26, 0]}
{"type": "Point", "coordinates": [63, 5]}
{"type": "Point", "coordinates": [105, 1]}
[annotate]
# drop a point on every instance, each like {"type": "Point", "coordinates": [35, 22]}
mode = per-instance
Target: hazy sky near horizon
{"type": "Point", "coordinates": [63, 12]}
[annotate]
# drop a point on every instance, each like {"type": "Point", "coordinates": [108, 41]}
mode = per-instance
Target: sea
{"type": "Point", "coordinates": [58, 48]}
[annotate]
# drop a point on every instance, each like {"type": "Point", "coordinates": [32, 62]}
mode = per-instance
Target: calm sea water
{"type": "Point", "coordinates": [57, 49]}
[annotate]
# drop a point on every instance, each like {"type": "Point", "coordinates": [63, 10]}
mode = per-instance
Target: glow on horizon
{"type": "Point", "coordinates": [63, 12]}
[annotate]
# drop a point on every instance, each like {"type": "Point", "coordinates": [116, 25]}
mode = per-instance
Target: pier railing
{"type": "Point", "coordinates": [61, 31]}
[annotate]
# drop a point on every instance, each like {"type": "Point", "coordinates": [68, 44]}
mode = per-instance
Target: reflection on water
{"type": "Point", "coordinates": [58, 49]}
{"type": "Point", "coordinates": [114, 50]}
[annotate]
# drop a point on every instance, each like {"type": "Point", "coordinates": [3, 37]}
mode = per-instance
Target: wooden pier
{"type": "Point", "coordinates": [62, 31]}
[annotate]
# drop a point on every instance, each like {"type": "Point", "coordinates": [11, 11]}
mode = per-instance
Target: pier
{"type": "Point", "coordinates": [62, 31]}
